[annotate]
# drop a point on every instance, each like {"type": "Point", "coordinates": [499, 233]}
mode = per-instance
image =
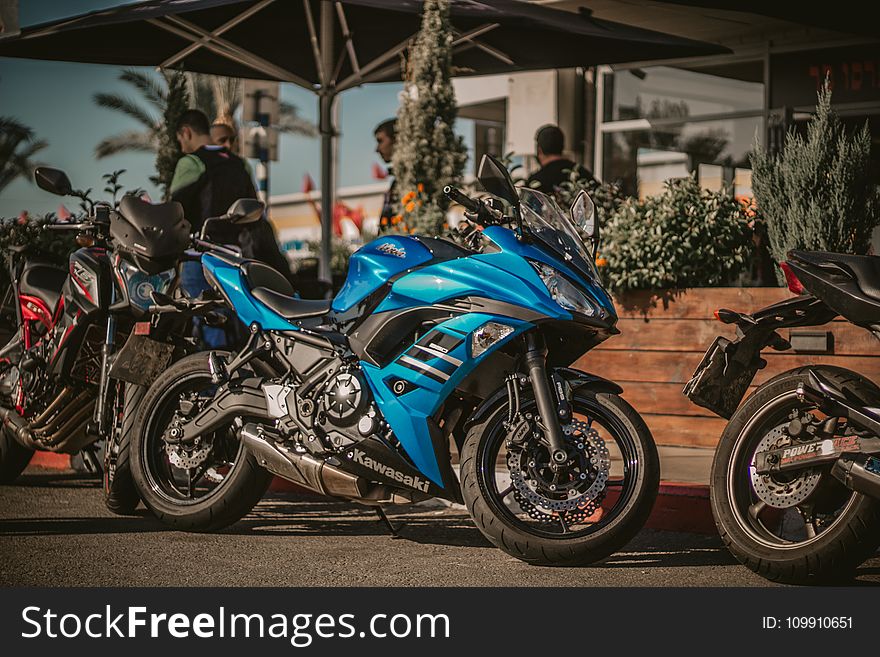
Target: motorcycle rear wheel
{"type": "Point", "coordinates": [197, 505]}
{"type": "Point", "coordinates": [824, 538]}
{"type": "Point", "coordinates": [505, 501]}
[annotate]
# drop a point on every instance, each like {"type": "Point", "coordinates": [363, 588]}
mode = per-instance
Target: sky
{"type": "Point", "coordinates": [55, 100]}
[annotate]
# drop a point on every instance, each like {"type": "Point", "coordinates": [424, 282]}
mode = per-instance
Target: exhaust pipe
{"type": "Point", "coordinates": [855, 476]}
{"type": "Point", "coordinates": [48, 431]}
{"type": "Point", "coordinates": [302, 469]}
{"type": "Point", "coordinates": [67, 439]}
{"type": "Point", "coordinates": [16, 426]}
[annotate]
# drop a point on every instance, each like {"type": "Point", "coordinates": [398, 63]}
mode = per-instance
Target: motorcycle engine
{"type": "Point", "coordinates": [336, 414]}
{"type": "Point", "coordinates": [346, 413]}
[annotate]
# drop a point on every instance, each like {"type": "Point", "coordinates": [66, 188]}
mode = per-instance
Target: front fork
{"type": "Point", "coordinates": [550, 412]}
{"type": "Point", "coordinates": [102, 423]}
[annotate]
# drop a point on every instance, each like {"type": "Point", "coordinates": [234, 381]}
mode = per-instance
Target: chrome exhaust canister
{"type": "Point", "coordinates": [302, 469]}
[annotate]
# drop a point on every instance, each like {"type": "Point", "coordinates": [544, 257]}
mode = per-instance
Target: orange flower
{"type": "Point", "coordinates": [384, 221]}
{"type": "Point", "coordinates": [601, 262]}
{"type": "Point", "coordinates": [445, 226]}
{"type": "Point", "coordinates": [396, 219]}
{"type": "Point", "coordinates": [410, 206]}
{"type": "Point", "coordinates": [409, 196]}
{"type": "Point", "coordinates": [421, 187]}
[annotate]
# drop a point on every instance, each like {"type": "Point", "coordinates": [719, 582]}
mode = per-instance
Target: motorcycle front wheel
{"type": "Point", "coordinates": [797, 527]}
{"type": "Point", "coordinates": [568, 514]}
{"type": "Point", "coordinates": [202, 487]}
{"type": "Point", "coordinates": [120, 494]}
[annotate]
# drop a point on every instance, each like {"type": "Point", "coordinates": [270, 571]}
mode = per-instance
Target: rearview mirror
{"type": "Point", "coordinates": [496, 180]}
{"type": "Point", "coordinates": [53, 181]}
{"type": "Point", "coordinates": [583, 215]}
{"type": "Point", "coordinates": [245, 211]}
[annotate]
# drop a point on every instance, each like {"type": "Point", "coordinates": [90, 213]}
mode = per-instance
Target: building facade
{"type": "Point", "coordinates": [643, 123]}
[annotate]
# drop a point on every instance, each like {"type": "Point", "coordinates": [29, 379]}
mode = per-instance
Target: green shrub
{"type": "Point", "coordinates": [817, 193]}
{"type": "Point", "coordinates": [684, 237]}
{"type": "Point", "coordinates": [50, 244]}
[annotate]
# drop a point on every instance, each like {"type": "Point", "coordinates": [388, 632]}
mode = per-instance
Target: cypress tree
{"type": "Point", "coordinates": [427, 153]}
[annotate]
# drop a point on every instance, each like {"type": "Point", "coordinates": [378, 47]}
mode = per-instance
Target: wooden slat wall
{"type": "Point", "coordinates": [661, 343]}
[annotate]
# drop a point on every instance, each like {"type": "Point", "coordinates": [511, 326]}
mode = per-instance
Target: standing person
{"type": "Point", "coordinates": [223, 133]}
{"type": "Point", "coordinates": [257, 240]}
{"type": "Point", "coordinates": [385, 134]}
{"type": "Point", "coordinates": [555, 169]}
{"type": "Point", "coordinates": [208, 179]}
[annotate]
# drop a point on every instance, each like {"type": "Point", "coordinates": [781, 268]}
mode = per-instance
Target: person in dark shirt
{"type": "Point", "coordinates": [385, 134]}
{"type": "Point", "coordinates": [257, 240]}
{"type": "Point", "coordinates": [555, 169]}
{"type": "Point", "coordinates": [208, 179]}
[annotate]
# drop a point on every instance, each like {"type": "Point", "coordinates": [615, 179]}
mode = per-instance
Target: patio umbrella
{"type": "Point", "coordinates": [329, 46]}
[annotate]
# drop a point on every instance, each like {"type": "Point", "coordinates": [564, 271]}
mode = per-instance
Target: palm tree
{"type": "Point", "coordinates": [154, 91]}
{"type": "Point", "coordinates": [18, 145]}
{"type": "Point", "coordinates": [214, 95]}
{"type": "Point", "coordinates": [220, 97]}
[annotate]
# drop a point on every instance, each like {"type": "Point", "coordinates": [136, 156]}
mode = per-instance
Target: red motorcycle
{"type": "Point", "coordinates": [85, 346]}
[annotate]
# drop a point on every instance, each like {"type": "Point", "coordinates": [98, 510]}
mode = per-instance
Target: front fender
{"type": "Point", "coordinates": [577, 379]}
{"type": "Point", "coordinates": [574, 378]}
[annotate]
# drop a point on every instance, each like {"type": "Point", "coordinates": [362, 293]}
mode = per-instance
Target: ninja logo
{"type": "Point", "coordinates": [413, 482]}
{"type": "Point", "coordinates": [389, 249]}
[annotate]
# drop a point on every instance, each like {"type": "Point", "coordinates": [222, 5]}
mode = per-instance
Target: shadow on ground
{"type": "Point", "coordinates": [285, 515]}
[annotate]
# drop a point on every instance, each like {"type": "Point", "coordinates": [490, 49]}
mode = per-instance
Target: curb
{"type": "Point", "coordinates": [680, 507]}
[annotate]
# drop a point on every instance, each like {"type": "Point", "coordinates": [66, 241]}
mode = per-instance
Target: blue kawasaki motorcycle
{"type": "Point", "coordinates": [429, 347]}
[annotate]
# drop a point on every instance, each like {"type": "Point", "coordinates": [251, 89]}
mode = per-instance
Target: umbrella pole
{"type": "Point", "coordinates": [327, 201]}
{"type": "Point", "coordinates": [326, 97]}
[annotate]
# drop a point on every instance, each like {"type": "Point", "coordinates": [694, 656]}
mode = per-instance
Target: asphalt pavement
{"type": "Point", "coordinates": [54, 530]}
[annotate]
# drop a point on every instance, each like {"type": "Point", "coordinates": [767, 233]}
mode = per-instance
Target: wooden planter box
{"type": "Point", "coordinates": [661, 344]}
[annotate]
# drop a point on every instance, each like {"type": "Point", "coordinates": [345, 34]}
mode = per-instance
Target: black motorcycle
{"type": "Point", "coordinates": [86, 346]}
{"type": "Point", "coordinates": [795, 484]}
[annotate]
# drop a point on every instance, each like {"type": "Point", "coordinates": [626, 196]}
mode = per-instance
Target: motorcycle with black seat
{"type": "Point", "coordinates": [795, 483]}
{"type": "Point", "coordinates": [87, 342]}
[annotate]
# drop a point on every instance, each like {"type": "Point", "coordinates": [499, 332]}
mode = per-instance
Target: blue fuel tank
{"type": "Point", "coordinates": [374, 264]}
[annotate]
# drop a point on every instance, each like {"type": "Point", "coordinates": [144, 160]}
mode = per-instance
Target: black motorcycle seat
{"type": "Point", "coordinates": [44, 280]}
{"type": "Point", "coordinates": [288, 307]}
{"type": "Point", "coordinates": [259, 274]}
{"type": "Point", "coordinates": [144, 215]}
{"type": "Point", "coordinates": [865, 269]}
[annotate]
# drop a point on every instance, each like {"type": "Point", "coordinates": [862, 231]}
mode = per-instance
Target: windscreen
{"type": "Point", "coordinates": [544, 219]}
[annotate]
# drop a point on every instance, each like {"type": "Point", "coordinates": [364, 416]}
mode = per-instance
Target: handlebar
{"type": "Point", "coordinates": [62, 226]}
{"type": "Point", "coordinates": [204, 245]}
{"type": "Point", "coordinates": [472, 205]}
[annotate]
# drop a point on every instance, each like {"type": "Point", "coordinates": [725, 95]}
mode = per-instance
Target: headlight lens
{"type": "Point", "coordinates": [563, 292]}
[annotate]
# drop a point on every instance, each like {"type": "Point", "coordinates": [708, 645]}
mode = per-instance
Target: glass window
{"type": "Point", "coordinates": [641, 160]}
{"type": "Point", "coordinates": [663, 92]}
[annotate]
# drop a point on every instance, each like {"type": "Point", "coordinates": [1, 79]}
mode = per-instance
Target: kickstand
{"type": "Point", "coordinates": [385, 521]}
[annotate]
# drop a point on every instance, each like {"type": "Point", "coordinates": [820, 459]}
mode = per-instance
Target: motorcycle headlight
{"type": "Point", "coordinates": [563, 292]}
